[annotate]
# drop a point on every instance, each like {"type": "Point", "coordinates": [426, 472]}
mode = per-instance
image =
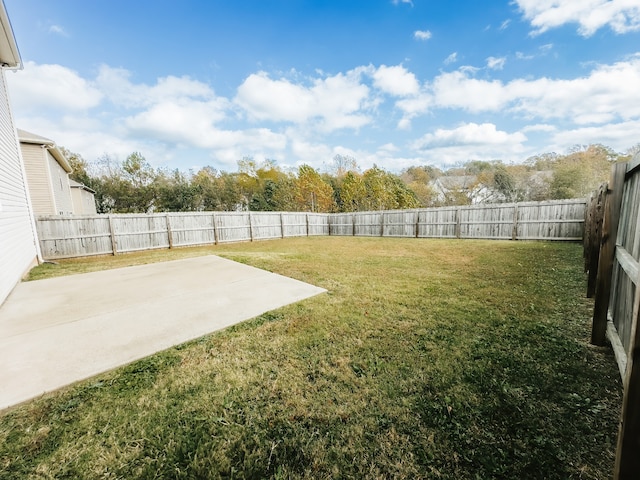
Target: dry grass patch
{"type": "Point", "coordinates": [425, 359]}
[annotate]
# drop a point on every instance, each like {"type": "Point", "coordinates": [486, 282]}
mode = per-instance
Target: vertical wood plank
{"type": "Point", "coordinates": [250, 227]}
{"type": "Point", "coordinates": [458, 222]}
{"type": "Point", "coordinates": [607, 253]}
{"type": "Point", "coordinates": [114, 245]}
{"type": "Point", "coordinates": [514, 231]}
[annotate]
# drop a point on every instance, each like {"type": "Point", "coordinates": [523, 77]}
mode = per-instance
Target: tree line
{"type": "Point", "coordinates": [135, 186]}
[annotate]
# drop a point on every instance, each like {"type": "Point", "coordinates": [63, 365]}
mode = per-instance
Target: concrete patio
{"type": "Point", "coordinates": [58, 331]}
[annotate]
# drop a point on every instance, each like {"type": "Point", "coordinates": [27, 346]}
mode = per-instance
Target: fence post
{"type": "Point", "coordinates": [250, 228]}
{"type": "Point", "coordinates": [215, 229]}
{"type": "Point", "coordinates": [282, 225]}
{"type": "Point", "coordinates": [307, 220]}
{"type": "Point", "coordinates": [417, 223]}
{"type": "Point", "coordinates": [607, 253]}
{"type": "Point", "coordinates": [381, 223]}
{"type": "Point", "coordinates": [592, 234]}
{"type": "Point", "coordinates": [169, 232]}
{"type": "Point", "coordinates": [353, 224]}
{"type": "Point", "coordinates": [114, 244]}
{"type": "Point", "coordinates": [514, 233]}
{"type": "Point", "coordinates": [458, 222]}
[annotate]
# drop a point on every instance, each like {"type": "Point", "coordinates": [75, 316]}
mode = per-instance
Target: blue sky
{"type": "Point", "coordinates": [190, 83]}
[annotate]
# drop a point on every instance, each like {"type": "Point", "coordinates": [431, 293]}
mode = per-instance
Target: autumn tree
{"type": "Point", "coordinates": [312, 193]}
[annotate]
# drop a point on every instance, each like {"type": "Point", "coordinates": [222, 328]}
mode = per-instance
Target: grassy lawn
{"type": "Point", "coordinates": [425, 359]}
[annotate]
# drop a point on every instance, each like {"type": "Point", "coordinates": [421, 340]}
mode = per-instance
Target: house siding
{"type": "Point", "coordinates": [84, 202]}
{"type": "Point", "coordinates": [18, 243]}
{"type": "Point", "coordinates": [60, 186]}
{"type": "Point", "coordinates": [42, 199]}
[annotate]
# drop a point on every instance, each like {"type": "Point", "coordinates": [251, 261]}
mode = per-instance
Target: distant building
{"type": "Point", "coordinates": [83, 197]}
{"type": "Point", "coordinates": [19, 249]}
{"type": "Point", "coordinates": [47, 175]}
{"type": "Point", "coordinates": [461, 189]}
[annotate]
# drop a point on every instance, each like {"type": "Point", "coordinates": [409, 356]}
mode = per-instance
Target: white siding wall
{"type": "Point", "coordinates": [18, 249]}
{"type": "Point", "coordinates": [61, 188]}
{"type": "Point", "coordinates": [40, 189]}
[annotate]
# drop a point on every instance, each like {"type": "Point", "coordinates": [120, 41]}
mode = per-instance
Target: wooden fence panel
{"type": "Point", "coordinates": [624, 279]}
{"type": "Point", "coordinates": [400, 223]}
{"type": "Point", "coordinates": [624, 315]}
{"type": "Point", "coordinates": [65, 236]}
{"type": "Point", "coordinates": [553, 220]}
{"type": "Point", "coordinates": [438, 222]}
{"type": "Point", "coordinates": [487, 221]}
{"type": "Point", "coordinates": [367, 224]}
{"type": "Point", "coordinates": [73, 236]}
{"type": "Point", "coordinates": [341, 224]}
{"type": "Point", "coordinates": [294, 224]}
{"type": "Point", "coordinates": [233, 226]}
{"type": "Point", "coordinates": [266, 225]}
{"type": "Point", "coordinates": [195, 228]}
{"type": "Point", "coordinates": [140, 232]}
{"type": "Point", "coordinates": [319, 224]}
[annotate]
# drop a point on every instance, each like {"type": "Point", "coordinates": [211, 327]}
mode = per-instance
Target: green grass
{"type": "Point", "coordinates": [425, 359]}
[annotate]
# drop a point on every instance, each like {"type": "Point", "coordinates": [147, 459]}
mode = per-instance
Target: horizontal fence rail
{"type": "Point", "coordinates": [76, 236]}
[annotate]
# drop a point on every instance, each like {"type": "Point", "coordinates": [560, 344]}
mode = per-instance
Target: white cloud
{"type": "Point", "coordinates": [335, 102]}
{"type": "Point", "coordinates": [58, 30]}
{"type": "Point", "coordinates": [504, 25]}
{"type": "Point", "coordinates": [469, 134]}
{"type": "Point", "coordinates": [459, 90]}
{"type": "Point", "coordinates": [496, 63]}
{"type": "Point", "coordinates": [422, 34]}
{"type": "Point", "coordinates": [540, 127]}
{"type": "Point", "coordinates": [453, 58]}
{"type": "Point", "coordinates": [396, 80]}
{"type": "Point", "coordinates": [117, 85]}
{"type": "Point", "coordinates": [621, 16]}
{"type": "Point", "coordinates": [470, 141]}
{"type": "Point", "coordinates": [619, 136]}
{"type": "Point", "coordinates": [396, 2]}
{"type": "Point", "coordinates": [606, 94]}
{"type": "Point", "coordinates": [44, 87]}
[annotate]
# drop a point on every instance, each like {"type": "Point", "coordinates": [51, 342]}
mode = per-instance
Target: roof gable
{"type": "Point", "coordinates": [33, 139]}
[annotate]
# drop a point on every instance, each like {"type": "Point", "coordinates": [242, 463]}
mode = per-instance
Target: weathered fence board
{"type": "Point", "coordinates": [438, 222]}
{"type": "Point", "coordinates": [318, 224]}
{"type": "Point", "coordinates": [617, 302]}
{"type": "Point", "coordinates": [342, 224]}
{"type": "Point", "coordinates": [73, 236]}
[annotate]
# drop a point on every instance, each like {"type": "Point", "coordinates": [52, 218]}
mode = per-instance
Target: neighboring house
{"type": "Point", "coordinates": [83, 197]}
{"type": "Point", "coordinates": [47, 175]}
{"type": "Point", "coordinates": [19, 249]}
{"type": "Point", "coordinates": [461, 189]}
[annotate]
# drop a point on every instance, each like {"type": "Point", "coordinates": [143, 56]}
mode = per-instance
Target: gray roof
{"type": "Point", "coordinates": [74, 184]}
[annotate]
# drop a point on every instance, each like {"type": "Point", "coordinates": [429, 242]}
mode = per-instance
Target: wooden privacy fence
{"type": "Point", "coordinates": [617, 295]}
{"type": "Point", "coordinates": [75, 236]}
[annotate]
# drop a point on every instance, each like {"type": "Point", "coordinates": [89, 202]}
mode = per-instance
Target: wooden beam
{"type": "Point", "coordinates": [607, 253]}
